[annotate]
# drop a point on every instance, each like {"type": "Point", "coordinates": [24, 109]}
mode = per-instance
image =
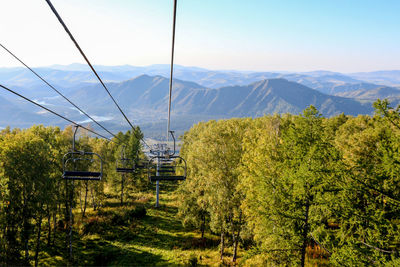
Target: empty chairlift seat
{"type": "Point", "coordinates": [79, 165]}
{"type": "Point", "coordinates": [141, 164]}
{"type": "Point", "coordinates": [171, 169]}
{"type": "Point", "coordinates": [125, 165]}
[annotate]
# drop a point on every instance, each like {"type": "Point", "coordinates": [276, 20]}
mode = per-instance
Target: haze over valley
{"type": "Point", "coordinates": [199, 94]}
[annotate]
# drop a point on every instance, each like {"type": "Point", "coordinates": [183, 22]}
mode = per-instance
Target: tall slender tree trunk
{"type": "Point", "coordinates": [80, 200]}
{"type": "Point", "coordinates": [3, 249]}
{"type": "Point", "coordinates": [203, 226]}
{"type": "Point", "coordinates": [66, 215]}
{"type": "Point", "coordinates": [222, 244]}
{"type": "Point", "coordinates": [26, 226]}
{"type": "Point", "coordinates": [12, 252]}
{"type": "Point", "coordinates": [49, 223]}
{"type": "Point", "coordinates": [305, 234]}
{"type": "Point", "coordinates": [39, 226]}
{"type": "Point", "coordinates": [54, 227]}
{"type": "Point", "coordinates": [93, 200]}
{"type": "Point", "coordinates": [85, 203]}
{"type": "Point", "coordinates": [70, 222]}
{"type": "Point", "coordinates": [26, 250]}
{"type": "Point", "coordinates": [236, 239]}
{"type": "Point", "coordinates": [57, 211]}
{"type": "Point", "coordinates": [122, 188]}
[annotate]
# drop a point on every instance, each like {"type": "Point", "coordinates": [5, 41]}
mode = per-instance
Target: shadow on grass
{"type": "Point", "coordinates": [97, 252]}
{"type": "Point", "coordinates": [102, 253]}
{"type": "Point", "coordinates": [166, 187]}
{"type": "Point", "coordinates": [115, 204]}
{"type": "Point", "coordinates": [157, 240]}
{"type": "Point", "coordinates": [166, 233]}
{"type": "Point", "coordinates": [131, 241]}
{"type": "Point", "coordinates": [166, 223]}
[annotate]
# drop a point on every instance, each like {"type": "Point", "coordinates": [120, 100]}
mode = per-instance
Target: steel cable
{"type": "Point", "coordinates": [58, 92]}
{"type": "Point", "coordinates": [88, 62]}
{"type": "Point", "coordinates": [55, 113]}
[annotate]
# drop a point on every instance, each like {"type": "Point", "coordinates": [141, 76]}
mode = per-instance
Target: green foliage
{"type": "Point", "coordinates": [369, 214]}
{"type": "Point", "coordinates": [285, 188]}
{"type": "Point", "coordinates": [211, 196]}
{"type": "Point", "coordinates": [300, 182]}
{"type": "Point", "coordinates": [25, 168]}
{"type": "Point", "coordinates": [289, 178]}
{"type": "Point", "coordinates": [193, 261]}
{"type": "Point", "coordinates": [137, 212]}
{"type": "Point", "coordinates": [128, 183]}
{"type": "Point", "coordinates": [31, 188]}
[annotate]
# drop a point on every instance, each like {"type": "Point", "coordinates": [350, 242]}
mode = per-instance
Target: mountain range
{"type": "Point", "coordinates": [198, 94]}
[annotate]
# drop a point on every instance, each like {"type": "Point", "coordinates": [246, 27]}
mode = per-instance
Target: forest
{"type": "Point", "coordinates": [278, 190]}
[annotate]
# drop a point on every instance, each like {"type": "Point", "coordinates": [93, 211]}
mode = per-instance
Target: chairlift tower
{"type": "Point", "coordinates": [164, 165]}
{"type": "Point", "coordinates": [168, 166]}
{"type": "Point", "coordinates": [159, 151]}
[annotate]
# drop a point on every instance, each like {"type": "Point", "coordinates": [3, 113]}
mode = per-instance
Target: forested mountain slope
{"type": "Point", "coordinates": [259, 98]}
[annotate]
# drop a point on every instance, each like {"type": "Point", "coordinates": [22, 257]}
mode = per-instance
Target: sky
{"type": "Point", "coordinates": [254, 35]}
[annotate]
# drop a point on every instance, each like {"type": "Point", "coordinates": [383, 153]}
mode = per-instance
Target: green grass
{"type": "Point", "coordinates": [111, 236]}
{"type": "Point", "coordinates": [119, 235]}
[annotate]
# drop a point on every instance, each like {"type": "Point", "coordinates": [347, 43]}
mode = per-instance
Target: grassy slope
{"type": "Point", "coordinates": [161, 239]}
{"type": "Point", "coordinates": [157, 239]}
{"type": "Point", "coordinates": [111, 236]}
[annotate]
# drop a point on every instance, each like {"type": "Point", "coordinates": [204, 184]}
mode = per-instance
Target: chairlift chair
{"type": "Point", "coordinates": [72, 158]}
{"type": "Point", "coordinates": [125, 165]}
{"type": "Point", "coordinates": [141, 164]}
{"type": "Point", "coordinates": [167, 172]}
{"type": "Point", "coordinates": [166, 166]}
{"type": "Point", "coordinates": [69, 162]}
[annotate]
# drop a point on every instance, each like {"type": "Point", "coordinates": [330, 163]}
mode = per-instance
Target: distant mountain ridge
{"type": "Point", "coordinates": [383, 77]}
{"type": "Point", "coordinates": [198, 94]}
{"type": "Point", "coordinates": [76, 75]}
{"type": "Point", "coordinates": [373, 93]}
{"type": "Point", "coordinates": [263, 97]}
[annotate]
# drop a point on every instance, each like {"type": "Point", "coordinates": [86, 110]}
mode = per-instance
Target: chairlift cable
{"type": "Point", "coordinates": [55, 113]}
{"type": "Point", "coordinates": [172, 70]}
{"type": "Point", "coordinates": [58, 92]}
{"type": "Point", "coordinates": [86, 59]}
{"type": "Point", "coordinates": [88, 62]}
{"type": "Point", "coordinates": [165, 169]}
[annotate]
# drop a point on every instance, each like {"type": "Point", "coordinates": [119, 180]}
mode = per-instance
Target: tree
{"type": "Point", "coordinates": [4, 202]}
{"type": "Point", "coordinates": [216, 154]}
{"type": "Point", "coordinates": [193, 205]}
{"type": "Point", "coordinates": [370, 202]}
{"type": "Point", "coordinates": [259, 172]}
{"type": "Point", "coordinates": [132, 148]}
{"type": "Point", "coordinates": [25, 165]}
{"type": "Point", "coordinates": [290, 183]}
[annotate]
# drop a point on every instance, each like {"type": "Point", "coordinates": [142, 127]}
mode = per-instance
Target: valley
{"type": "Point", "coordinates": [199, 95]}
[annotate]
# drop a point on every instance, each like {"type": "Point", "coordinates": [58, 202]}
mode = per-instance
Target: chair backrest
{"type": "Point", "coordinates": [125, 165]}
{"type": "Point", "coordinates": [73, 172]}
{"type": "Point", "coordinates": [160, 169]}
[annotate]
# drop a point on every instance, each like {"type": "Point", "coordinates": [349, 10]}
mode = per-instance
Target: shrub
{"type": "Point", "coordinates": [105, 256]}
{"type": "Point", "coordinates": [118, 219]}
{"type": "Point", "coordinates": [193, 261]}
{"type": "Point", "coordinates": [137, 212]}
{"type": "Point", "coordinates": [92, 226]}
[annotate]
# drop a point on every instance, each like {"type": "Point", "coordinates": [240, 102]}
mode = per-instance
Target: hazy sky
{"type": "Point", "coordinates": [293, 35]}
